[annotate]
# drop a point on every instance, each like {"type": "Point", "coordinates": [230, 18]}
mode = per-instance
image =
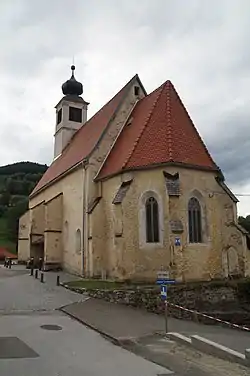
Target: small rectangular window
{"type": "Point", "coordinates": [136, 90]}
{"type": "Point", "coordinates": [59, 116]}
{"type": "Point", "coordinates": [121, 192]}
{"type": "Point", "coordinates": [75, 114]}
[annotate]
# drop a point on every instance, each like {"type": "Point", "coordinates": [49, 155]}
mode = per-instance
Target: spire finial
{"type": "Point", "coordinates": [73, 69]}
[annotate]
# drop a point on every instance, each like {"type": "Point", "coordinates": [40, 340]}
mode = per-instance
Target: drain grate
{"type": "Point", "coordinates": [51, 327]}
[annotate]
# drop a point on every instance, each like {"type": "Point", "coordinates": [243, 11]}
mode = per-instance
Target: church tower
{"type": "Point", "coordinates": [71, 113]}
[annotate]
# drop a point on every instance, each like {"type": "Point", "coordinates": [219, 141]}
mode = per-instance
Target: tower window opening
{"type": "Point", "coordinates": [75, 114]}
{"type": "Point", "coordinates": [59, 116]}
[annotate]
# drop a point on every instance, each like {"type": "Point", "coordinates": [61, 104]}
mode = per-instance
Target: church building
{"type": "Point", "coordinates": [131, 191]}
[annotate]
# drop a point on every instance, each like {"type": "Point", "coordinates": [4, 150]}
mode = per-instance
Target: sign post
{"type": "Point", "coordinates": [166, 316]}
{"type": "Point", "coordinates": [163, 280]}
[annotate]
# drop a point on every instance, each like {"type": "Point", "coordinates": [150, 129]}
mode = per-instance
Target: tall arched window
{"type": "Point", "coordinates": [66, 231]}
{"type": "Point", "coordinates": [194, 221]}
{"type": "Point", "coordinates": [152, 220]}
{"type": "Point", "coordinates": [78, 241]}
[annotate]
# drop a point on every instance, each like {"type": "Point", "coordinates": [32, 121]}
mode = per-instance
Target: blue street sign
{"type": "Point", "coordinates": [177, 241]}
{"type": "Point", "coordinates": [164, 292]}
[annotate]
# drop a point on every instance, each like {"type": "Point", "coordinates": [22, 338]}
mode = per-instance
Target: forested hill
{"type": "Point", "coordinates": [17, 181]}
{"type": "Point", "coordinates": [23, 167]}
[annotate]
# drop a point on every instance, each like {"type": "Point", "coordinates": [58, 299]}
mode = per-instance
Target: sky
{"type": "Point", "coordinates": [201, 46]}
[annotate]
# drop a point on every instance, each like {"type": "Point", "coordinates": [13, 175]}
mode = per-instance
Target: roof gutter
{"type": "Point", "coordinates": [159, 165]}
{"type": "Point", "coordinates": [83, 162]}
{"type": "Point", "coordinates": [225, 188]}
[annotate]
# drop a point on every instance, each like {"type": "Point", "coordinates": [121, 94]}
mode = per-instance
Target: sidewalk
{"type": "Point", "coordinates": [120, 322]}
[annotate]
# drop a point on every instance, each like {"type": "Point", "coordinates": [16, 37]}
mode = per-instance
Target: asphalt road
{"type": "Point", "coordinates": [37, 339]}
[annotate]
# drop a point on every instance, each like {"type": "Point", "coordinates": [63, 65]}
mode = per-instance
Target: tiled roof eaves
{"type": "Point", "coordinates": [159, 165]}
{"type": "Point", "coordinates": [84, 162]}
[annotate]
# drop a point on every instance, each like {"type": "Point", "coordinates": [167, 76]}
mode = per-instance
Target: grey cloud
{"type": "Point", "coordinates": [201, 46]}
{"type": "Point", "coordinates": [231, 147]}
{"type": "Point", "coordinates": [40, 33]}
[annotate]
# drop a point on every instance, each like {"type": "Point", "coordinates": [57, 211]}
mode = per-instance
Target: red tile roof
{"type": "Point", "coordinates": [84, 140]}
{"type": "Point", "coordinates": [161, 131]}
{"type": "Point", "coordinates": [4, 253]}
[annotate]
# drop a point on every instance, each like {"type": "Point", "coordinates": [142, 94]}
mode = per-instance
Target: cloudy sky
{"type": "Point", "coordinates": [201, 46]}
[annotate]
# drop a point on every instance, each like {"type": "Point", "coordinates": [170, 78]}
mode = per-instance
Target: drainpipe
{"type": "Point", "coordinates": [83, 215]}
{"type": "Point", "coordinates": [86, 224]}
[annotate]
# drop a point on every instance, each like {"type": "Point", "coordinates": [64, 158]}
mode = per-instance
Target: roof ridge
{"type": "Point", "coordinates": [169, 119]}
{"type": "Point", "coordinates": [145, 124]}
{"type": "Point", "coordinates": [198, 133]}
{"type": "Point", "coordinates": [127, 87]}
{"type": "Point", "coordinates": [116, 138]}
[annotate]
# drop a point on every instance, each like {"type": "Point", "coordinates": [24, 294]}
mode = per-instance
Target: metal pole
{"type": "Point", "coordinates": [166, 316]}
{"type": "Point", "coordinates": [40, 263]}
{"type": "Point", "coordinates": [36, 273]}
{"type": "Point", "coordinates": [42, 280]}
{"type": "Point", "coordinates": [58, 280]}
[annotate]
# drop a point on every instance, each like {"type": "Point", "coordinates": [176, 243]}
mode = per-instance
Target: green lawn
{"type": "Point", "coordinates": [96, 284]}
{"type": "Point", "coordinates": [108, 285]}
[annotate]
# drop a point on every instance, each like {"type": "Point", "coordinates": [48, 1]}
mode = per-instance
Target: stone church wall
{"type": "Point", "coordinates": [131, 257]}
{"type": "Point", "coordinates": [71, 187]}
{"type": "Point", "coordinates": [24, 237]}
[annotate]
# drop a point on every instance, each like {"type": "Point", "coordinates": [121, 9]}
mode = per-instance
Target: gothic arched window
{"type": "Point", "coordinates": [152, 220]}
{"type": "Point", "coordinates": [78, 241]}
{"type": "Point", "coordinates": [194, 221]}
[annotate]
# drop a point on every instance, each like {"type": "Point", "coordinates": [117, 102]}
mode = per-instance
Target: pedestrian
{"type": "Point", "coordinates": [40, 263]}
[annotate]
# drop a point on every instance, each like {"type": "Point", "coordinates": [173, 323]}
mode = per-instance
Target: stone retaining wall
{"type": "Point", "coordinates": [224, 302]}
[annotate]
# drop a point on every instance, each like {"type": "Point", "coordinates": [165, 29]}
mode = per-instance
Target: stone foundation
{"type": "Point", "coordinates": [226, 302]}
{"type": "Point", "coordinates": [52, 266]}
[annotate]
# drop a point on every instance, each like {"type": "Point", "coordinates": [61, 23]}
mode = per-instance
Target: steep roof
{"type": "Point", "coordinates": [159, 131]}
{"type": "Point", "coordinates": [84, 140]}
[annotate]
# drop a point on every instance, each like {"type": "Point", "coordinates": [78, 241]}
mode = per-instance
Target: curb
{"type": "Point", "coordinates": [212, 348]}
{"type": "Point", "coordinates": [79, 290]}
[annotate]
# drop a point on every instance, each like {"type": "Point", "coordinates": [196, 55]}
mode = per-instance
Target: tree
{"type": "Point", "coordinates": [2, 210]}
{"type": "Point", "coordinates": [13, 215]}
{"type": "Point", "coordinates": [245, 222]}
{"type": "Point", "coordinates": [5, 198]}
{"type": "Point", "coordinates": [23, 167]}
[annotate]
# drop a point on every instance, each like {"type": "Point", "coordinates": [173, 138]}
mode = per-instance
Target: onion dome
{"type": "Point", "coordinates": [71, 86]}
